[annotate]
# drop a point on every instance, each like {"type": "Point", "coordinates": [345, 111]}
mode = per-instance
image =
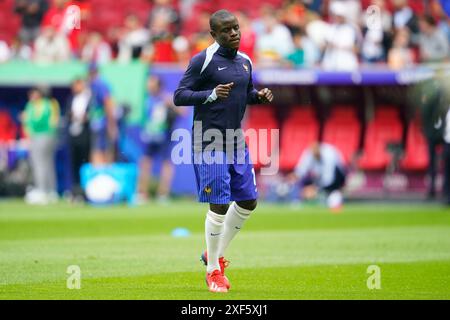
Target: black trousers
{"type": "Point", "coordinates": [432, 166]}
{"type": "Point", "coordinates": [447, 172]}
{"type": "Point", "coordinates": [338, 182]}
{"type": "Point", "coordinates": [80, 148]}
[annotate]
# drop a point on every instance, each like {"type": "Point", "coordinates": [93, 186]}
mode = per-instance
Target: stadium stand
{"type": "Point", "coordinates": [260, 118]}
{"type": "Point", "coordinates": [297, 133]}
{"type": "Point", "coordinates": [8, 129]}
{"type": "Point", "coordinates": [343, 130]}
{"type": "Point", "coordinates": [416, 153]}
{"type": "Point", "coordinates": [386, 128]}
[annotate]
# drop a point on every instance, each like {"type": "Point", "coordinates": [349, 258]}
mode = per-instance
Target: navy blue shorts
{"type": "Point", "coordinates": [222, 181]}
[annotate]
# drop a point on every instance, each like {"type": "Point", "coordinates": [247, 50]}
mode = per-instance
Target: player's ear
{"type": "Point", "coordinates": [213, 34]}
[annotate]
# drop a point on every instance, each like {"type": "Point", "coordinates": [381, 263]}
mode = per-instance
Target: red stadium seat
{"type": "Point", "coordinates": [343, 130]}
{"type": "Point", "coordinates": [260, 118]}
{"type": "Point", "coordinates": [416, 150]}
{"type": "Point", "coordinates": [8, 129]}
{"type": "Point", "coordinates": [299, 131]}
{"type": "Point", "coordinates": [384, 129]}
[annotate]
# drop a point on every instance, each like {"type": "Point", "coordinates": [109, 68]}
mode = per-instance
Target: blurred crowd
{"type": "Point", "coordinates": [332, 34]}
{"type": "Point", "coordinates": [89, 125]}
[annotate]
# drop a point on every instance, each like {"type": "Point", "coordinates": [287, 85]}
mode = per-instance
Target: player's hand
{"type": "Point", "coordinates": [265, 95]}
{"type": "Point", "coordinates": [223, 90]}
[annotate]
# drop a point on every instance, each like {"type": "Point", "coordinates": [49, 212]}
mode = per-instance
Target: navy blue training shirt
{"type": "Point", "coordinates": [209, 68]}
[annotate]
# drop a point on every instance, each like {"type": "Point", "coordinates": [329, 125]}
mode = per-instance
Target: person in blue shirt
{"type": "Point", "coordinates": [102, 120]}
{"type": "Point", "coordinates": [159, 117]}
{"type": "Point", "coordinates": [218, 83]}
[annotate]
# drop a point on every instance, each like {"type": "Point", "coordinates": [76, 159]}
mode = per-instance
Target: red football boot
{"type": "Point", "coordinates": [216, 282]}
{"type": "Point", "coordinates": [223, 263]}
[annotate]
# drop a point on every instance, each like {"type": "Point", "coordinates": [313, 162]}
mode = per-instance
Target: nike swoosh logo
{"type": "Point", "coordinates": [215, 234]}
{"type": "Point", "coordinates": [220, 69]}
{"type": "Point", "coordinates": [238, 228]}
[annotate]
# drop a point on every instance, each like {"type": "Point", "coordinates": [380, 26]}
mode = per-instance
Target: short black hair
{"type": "Point", "coordinates": [218, 16]}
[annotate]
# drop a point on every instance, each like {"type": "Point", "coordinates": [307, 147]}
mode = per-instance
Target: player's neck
{"type": "Point", "coordinates": [227, 52]}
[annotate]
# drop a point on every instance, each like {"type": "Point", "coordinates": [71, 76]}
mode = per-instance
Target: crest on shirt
{"type": "Point", "coordinates": [208, 190]}
{"type": "Point", "coordinates": [245, 67]}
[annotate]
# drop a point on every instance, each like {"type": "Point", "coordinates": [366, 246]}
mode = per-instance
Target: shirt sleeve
{"type": "Point", "coordinates": [252, 93]}
{"type": "Point", "coordinates": [188, 92]}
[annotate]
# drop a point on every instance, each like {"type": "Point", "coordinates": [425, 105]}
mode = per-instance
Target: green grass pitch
{"type": "Point", "coordinates": [282, 252]}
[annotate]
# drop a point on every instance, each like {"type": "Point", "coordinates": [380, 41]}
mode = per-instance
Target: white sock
{"type": "Point", "coordinates": [213, 234]}
{"type": "Point", "coordinates": [234, 220]}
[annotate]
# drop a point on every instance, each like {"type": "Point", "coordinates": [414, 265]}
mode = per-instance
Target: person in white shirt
{"type": "Point", "coordinates": [341, 42]}
{"type": "Point", "coordinates": [134, 40]}
{"type": "Point", "coordinates": [321, 168]}
{"type": "Point", "coordinates": [377, 24]}
{"type": "Point", "coordinates": [274, 43]}
{"type": "Point", "coordinates": [96, 49]}
{"type": "Point", "coordinates": [353, 9]}
{"type": "Point", "coordinates": [51, 46]}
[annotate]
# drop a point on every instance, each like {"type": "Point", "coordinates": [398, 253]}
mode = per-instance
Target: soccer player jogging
{"type": "Point", "coordinates": [218, 82]}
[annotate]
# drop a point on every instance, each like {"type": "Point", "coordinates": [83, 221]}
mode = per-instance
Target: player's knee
{"type": "Point", "coordinates": [219, 208]}
{"type": "Point", "coordinates": [248, 204]}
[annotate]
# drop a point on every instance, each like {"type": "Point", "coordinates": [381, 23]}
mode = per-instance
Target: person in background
{"type": "Point", "coordinates": [102, 119]}
{"type": "Point", "coordinates": [51, 46]}
{"type": "Point", "coordinates": [443, 20]}
{"type": "Point", "coordinates": [401, 55]}
{"type": "Point", "coordinates": [56, 15]}
{"type": "Point", "coordinates": [40, 120]}
{"type": "Point", "coordinates": [134, 39]}
{"type": "Point", "coordinates": [306, 53]}
{"type": "Point", "coordinates": [165, 9]}
{"type": "Point", "coordinates": [321, 169]}
{"type": "Point", "coordinates": [65, 16]}
{"type": "Point", "coordinates": [182, 50]}
{"type": "Point", "coordinates": [160, 114]}
{"type": "Point", "coordinates": [340, 52]}
{"type": "Point", "coordinates": [447, 158]}
{"type": "Point", "coordinates": [434, 108]}
{"type": "Point", "coordinates": [297, 57]}
{"type": "Point", "coordinates": [248, 36]}
{"type": "Point", "coordinates": [404, 17]}
{"type": "Point", "coordinates": [377, 34]}
{"type": "Point", "coordinates": [200, 40]}
{"type": "Point", "coordinates": [275, 42]}
{"type": "Point", "coordinates": [433, 43]}
{"type": "Point", "coordinates": [314, 5]}
{"type": "Point", "coordinates": [32, 12]}
{"type": "Point", "coordinates": [20, 50]}
{"type": "Point", "coordinates": [96, 49]}
{"type": "Point", "coordinates": [352, 12]}
{"type": "Point", "coordinates": [160, 49]}
{"type": "Point", "coordinates": [77, 122]}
